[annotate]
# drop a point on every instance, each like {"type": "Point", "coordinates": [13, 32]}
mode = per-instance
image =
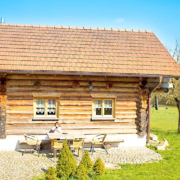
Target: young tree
{"type": "Point", "coordinates": [99, 167]}
{"type": "Point", "coordinates": [66, 165]}
{"type": "Point", "coordinates": [51, 174]}
{"type": "Point", "coordinates": [81, 172]}
{"type": "Point", "coordinates": [86, 160]}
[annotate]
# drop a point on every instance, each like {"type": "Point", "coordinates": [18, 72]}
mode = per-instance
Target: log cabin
{"type": "Point", "coordinates": [91, 80]}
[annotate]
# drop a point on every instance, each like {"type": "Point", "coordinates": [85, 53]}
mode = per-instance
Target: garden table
{"type": "Point", "coordinates": [61, 136]}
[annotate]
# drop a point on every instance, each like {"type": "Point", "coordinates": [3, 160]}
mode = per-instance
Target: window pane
{"type": "Point", "coordinates": [108, 103]}
{"type": "Point", "coordinates": [40, 107]}
{"type": "Point", "coordinates": [107, 111]}
{"type": "Point", "coordinates": [98, 111]}
{"type": "Point", "coordinates": [97, 103]}
{"type": "Point", "coordinates": [51, 107]}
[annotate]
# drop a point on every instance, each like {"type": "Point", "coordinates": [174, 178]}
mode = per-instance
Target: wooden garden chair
{"type": "Point", "coordinates": [33, 141]}
{"type": "Point", "coordinates": [58, 145]}
{"type": "Point", "coordinates": [99, 140]}
{"type": "Point", "coordinates": [78, 144]}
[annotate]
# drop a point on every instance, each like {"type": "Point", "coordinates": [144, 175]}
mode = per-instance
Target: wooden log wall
{"type": "Point", "coordinates": [146, 84]}
{"type": "Point", "coordinates": [143, 113]}
{"type": "Point", "coordinates": [75, 103]}
{"type": "Point", "coordinates": [3, 107]}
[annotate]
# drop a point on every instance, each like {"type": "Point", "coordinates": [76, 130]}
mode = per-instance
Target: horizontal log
{"type": "Point", "coordinates": [75, 103]}
{"type": "Point", "coordinates": [74, 115]}
{"type": "Point", "coordinates": [126, 116]}
{"type": "Point", "coordinates": [75, 111]}
{"type": "Point", "coordinates": [75, 98]}
{"type": "Point", "coordinates": [68, 77]}
{"type": "Point", "coordinates": [125, 107]}
{"type": "Point", "coordinates": [19, 112]}
{"type": "Point", "coordinates": [17, 120]}
{"type": "Point", "coordinates": [123, 98]}
{"type": "Point", "coordinates": [20, 108]}
{"type": "Point", "coordinates": [121, 95]}
{"type": "Point", "coordinates": [20, 102]}
{"type": "Point", "coordinates": [19, 117]}
{"type": "Point", "coordinates": [65, 120]}
{"type": "Point", "coordinates": [19, 97]}
{"type": "Point", "coordinates": [125, 120]}
{"type": "Point", "coordinates": [75, 119]}
{"type": "Point", "coordinates": [128, 93]}
{"type": "Point", "coordinates": [76, 126]}
{"type": "Point", "coordinates": [128, 103]}
{"type": "Point", "coordinates": [30, 83]}
{"type": "Point", "coordinates": [132, 114]}
{"type": "Point", "coordinates": [86, 132]}
{"type": "Point", "coordinates": [75, 107]}
{"type": "Point", "coordinates": [13, 90]}
{"type": "Point", "coordinates": [29, 93]}
{"type": "Point", "coordinates": [126, 111]}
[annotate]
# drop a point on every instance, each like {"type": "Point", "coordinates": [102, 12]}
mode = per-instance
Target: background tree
{"type": "Point", "coordinates": [173, 96]}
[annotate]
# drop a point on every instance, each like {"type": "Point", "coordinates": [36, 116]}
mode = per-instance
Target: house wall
{"type": "Point", "coordinates": [75, 104]}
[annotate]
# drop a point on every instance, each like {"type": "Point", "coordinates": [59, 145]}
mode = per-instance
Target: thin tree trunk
{"type": "Point", "coordinates": [178, 106]}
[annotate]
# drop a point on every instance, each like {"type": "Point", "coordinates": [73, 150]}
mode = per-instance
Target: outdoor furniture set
{"type": "Point", "coordinates": [75, 142]}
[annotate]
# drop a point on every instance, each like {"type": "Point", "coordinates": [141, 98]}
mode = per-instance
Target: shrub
{"type": "Point", "coordinates": [86, 160]}
{"type": "Point", "coordinates": [99, 167]}
{"type": "Point", "coordinates": [66, 164]}
{"type": "Point", "coordinates": [51, 174]}
{"type": "Point", "coordinates": [81, 172]}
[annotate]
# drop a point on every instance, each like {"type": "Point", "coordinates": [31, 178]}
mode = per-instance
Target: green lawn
{"type": "Point", "coordinates": [164, 124]}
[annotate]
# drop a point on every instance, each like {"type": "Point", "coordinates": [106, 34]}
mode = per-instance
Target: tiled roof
{"type": "Point", "coordinates": [83, 50]}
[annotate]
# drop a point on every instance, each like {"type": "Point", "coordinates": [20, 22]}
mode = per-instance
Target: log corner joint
{"type": "Point", "coordinates": [149, 105]}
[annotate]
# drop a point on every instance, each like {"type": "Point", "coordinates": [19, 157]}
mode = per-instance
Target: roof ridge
{"type": "Point", "coordinates": [85, 28]}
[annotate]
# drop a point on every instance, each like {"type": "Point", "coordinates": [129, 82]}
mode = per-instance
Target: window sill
{"type": "Point", "coordinates": [45, 119]}
{"type": "Point", "coordinates": [103, 119]}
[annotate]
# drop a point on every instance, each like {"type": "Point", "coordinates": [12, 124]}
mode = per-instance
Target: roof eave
{"type": "Point", "coordinates": [86, 73]}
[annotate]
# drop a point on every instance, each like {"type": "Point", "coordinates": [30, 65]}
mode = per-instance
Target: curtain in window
{"type": "Point", "coordinates": [97, 103]}
{"type": "Point", "coordinates": [108, 103]}
{"type": "Point", "coordinates": [51, 107]}
{"type": "Point", "coordinates": [40, 107]}
{"type": "Point", "coordinates": [97, 107]}
{"type": "Point", "coordinates": [108, 107]}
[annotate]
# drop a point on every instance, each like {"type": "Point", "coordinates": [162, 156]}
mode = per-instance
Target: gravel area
{"type": "Point", "coordinates": [124, 155]}
{"type": "Point", "coordinates": [14, 166]}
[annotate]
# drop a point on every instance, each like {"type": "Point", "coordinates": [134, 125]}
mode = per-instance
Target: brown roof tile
{"type": "Point", "coordinates": [78, 50]}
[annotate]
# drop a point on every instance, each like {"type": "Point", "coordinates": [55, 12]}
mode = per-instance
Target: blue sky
{"type": "Point", "coordinates": [160, 16]}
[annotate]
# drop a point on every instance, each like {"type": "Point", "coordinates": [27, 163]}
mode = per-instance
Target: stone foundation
{"type": "Point", "coordinates": [11, 142]}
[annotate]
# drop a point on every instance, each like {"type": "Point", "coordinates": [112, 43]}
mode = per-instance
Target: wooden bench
{"type": "Point", "coordinates": [86, 141]}
{"type": "Point", "coordinates": [114, 141]}
{"type": "Point", "coordinates": [22, 141]}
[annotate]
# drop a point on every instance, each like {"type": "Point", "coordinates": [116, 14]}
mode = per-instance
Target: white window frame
{"type": "Point", "coordinates": [46, 107]}
{"type": "Point", "coordinates": [102, 115]}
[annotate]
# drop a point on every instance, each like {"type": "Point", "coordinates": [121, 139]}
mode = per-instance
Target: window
{"type": "Point", "coordinates": [45, 107]}
{"type": "Point", "coordinates": [103, 108]}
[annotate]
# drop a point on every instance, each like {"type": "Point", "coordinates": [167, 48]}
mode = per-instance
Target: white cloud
{"type": "Point", "coordinates": [120, 20]}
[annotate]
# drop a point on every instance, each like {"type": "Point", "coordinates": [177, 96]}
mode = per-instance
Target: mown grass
{"type": "Point", "coordinates": [164, 123]}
